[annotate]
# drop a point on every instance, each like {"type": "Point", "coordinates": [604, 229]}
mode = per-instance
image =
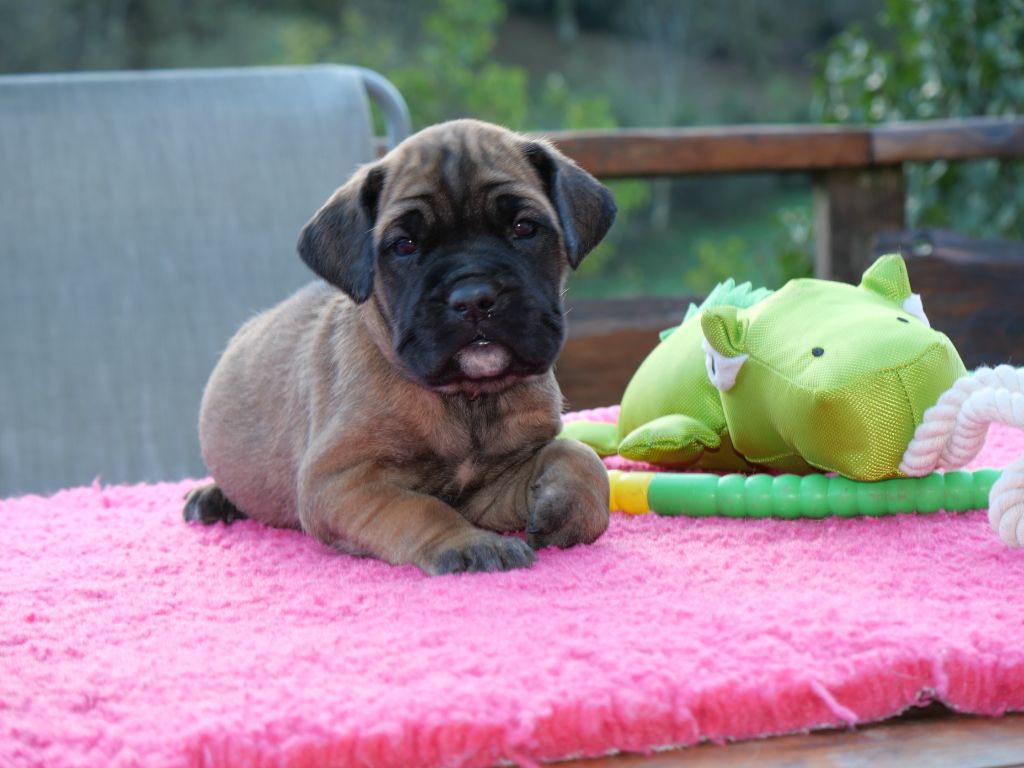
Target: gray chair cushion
{"type": "Point", "coordinates": [143, 218]}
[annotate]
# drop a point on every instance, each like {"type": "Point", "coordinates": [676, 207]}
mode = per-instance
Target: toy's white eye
{"type": "Point", "coordinates": [722, 369]}
{"type": "Point", "coordinates": [914, 306]}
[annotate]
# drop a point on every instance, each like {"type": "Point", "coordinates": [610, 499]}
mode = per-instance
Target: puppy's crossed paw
{"type": "Point", "coordinates": [485, 552]}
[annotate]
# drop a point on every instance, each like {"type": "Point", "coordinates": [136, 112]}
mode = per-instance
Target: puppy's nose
{"type": "Point", "coordinates": [473, 300]}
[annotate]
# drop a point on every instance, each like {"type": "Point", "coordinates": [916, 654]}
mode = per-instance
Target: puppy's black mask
{"type": "Point", "coordinates": [462, 237]}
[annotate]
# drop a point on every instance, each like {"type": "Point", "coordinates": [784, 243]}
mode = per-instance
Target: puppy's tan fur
{"type": "Point", "coordinates": [310, 421]}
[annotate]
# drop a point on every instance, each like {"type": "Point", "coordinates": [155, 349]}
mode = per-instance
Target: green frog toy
{"type": "Point", "coordinates": [818, 376]}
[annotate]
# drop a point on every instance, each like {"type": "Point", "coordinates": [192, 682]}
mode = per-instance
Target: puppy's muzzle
{"type": "Point", "coordinates": [473, 300]}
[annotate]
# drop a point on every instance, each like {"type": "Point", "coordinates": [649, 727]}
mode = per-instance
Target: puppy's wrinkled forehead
{"type": "Point", "coordinates": [454, 171]}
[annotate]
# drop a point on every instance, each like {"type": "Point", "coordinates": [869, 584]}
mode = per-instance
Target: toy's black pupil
{"type": "Point", "coordinates": [817, 351]}
{"type": "Point", "coordinates": [903, 319]}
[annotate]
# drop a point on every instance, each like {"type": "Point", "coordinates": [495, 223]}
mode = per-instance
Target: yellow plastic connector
{"type": "Point", "coordinates": [629, 491]}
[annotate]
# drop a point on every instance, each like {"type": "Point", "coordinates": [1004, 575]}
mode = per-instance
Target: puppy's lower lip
{"type": "Point", "coordinates": [483, 359]}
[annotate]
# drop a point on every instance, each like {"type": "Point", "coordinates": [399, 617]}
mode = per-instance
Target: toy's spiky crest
{"type": "Point", "coordinates": [725, 294]}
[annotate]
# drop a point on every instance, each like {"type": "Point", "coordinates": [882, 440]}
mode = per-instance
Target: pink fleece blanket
{"type": "Point", "coordinates": [129, 638]}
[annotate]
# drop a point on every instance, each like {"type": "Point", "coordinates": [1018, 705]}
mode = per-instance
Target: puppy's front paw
{"type": "Point", "coordinates": [208, 505]}
{"type": "Point", "coordinates": [568, 497]}
{"type": "Point", "coordinates": [484, 551]}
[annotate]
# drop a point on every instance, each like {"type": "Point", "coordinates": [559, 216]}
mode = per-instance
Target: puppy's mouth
{"type": "Point", "coordinates": [486, 359]}
{"type": "Point", "coordinates": [483, 359]}
{"type": "Point", "coordinates": [482, 367]}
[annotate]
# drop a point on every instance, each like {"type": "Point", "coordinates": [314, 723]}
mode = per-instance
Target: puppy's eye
{"type": "Point", "coordinates": [403, 246]}
{"type": "Point", "coordinates": [523, 229]}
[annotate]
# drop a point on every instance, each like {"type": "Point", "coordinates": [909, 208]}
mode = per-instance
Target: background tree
{"type": "Point", "coordinates": [934, 59]}
{"type": "Point", "coordinates": [542, 65]}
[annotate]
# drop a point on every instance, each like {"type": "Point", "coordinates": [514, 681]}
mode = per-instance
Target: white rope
{"type": "Point", "coordinates": [953, 431]}
{"type": "Point", "coordinates": [967, 440]}
{"type": "Point", "coordinates": [1006, 504]}
{"type": "Point", "coordinates": [941, 439]}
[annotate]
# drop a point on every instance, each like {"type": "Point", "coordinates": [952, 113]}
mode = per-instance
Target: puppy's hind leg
{"type": "Point", "coordinates": [207, 504]}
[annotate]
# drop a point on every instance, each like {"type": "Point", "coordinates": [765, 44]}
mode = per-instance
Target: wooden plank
{"type": "Point", "coordinates": [971, 290]}
{"type": "Point", "coordinates": [954, 741]}
{"type": "Point", "coordinates": [593, 371]}
{"type": "Point", "coordinates": [608, 339]}
{"type": "Point", "coordinates": [593, 316]}
{"type": "Point", "coordinates": [722, 149]}
{"type": "Point", "coordinates": [851, 208]}
{"type": "Point", "coordinates": [951, 246]}
{"type": "Point", "coordinates": [960, 139]}
{"type": "Point", "coordinates": [644, 152]}
{"type": "Point", "coordinates": [807, 147]}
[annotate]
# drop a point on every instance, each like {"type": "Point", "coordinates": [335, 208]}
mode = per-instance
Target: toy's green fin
{"type": "Point", "coordinates": [888, 277]}
{"type": "Point", "coordinates": [601, 436]}
{"type": "Point", "coordinates": [674, 440]}
{"type": "Point", "coordinates": [726, 294]}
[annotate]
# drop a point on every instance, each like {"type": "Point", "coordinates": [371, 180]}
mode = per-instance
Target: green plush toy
{"type": "Point", "coordinates": [817, 376]}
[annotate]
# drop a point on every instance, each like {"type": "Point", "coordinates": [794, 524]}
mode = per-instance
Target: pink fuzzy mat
{"type": "Point", "coordinates": [129, 638]}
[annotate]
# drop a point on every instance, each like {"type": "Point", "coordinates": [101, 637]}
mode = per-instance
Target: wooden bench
{"type": "Point", "coordinates": [972, 289]}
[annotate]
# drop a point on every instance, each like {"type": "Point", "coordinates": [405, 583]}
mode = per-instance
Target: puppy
{"type": "Point", "coordinates": [405, 408]}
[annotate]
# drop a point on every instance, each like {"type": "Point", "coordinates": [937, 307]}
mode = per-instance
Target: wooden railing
{"type": "Point", "coordinates": [859, 199]}
{"type": "Point", "coordinates": [623, 153]}
{"type": "Point", "coordinates": [858, 171]}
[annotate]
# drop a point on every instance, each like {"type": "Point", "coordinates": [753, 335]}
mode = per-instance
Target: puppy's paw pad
{"type": "Point", "coordinates": [208, 505]}
{"type": "Point", "coordinates": [489, 553]}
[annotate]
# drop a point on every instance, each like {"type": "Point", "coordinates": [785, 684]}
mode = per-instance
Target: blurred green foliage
{"type": "Point", "coordinates": [447, 73]}
{"type": "Point", "coordinates": [747, 255]}
{"type": "Point", "coordinates": [451, 72]}
{"type": "Point", "coordinates": [938, 59]}
{"type": "Point", "coordinates": [551, 64]}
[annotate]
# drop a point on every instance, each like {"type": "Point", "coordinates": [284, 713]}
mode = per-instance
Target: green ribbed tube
{"type": "Point", "coordinates": [792, 496]}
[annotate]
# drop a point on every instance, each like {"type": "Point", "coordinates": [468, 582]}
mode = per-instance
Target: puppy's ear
{"type": "Point", "coordinates": [337, 243]}
{"type": "Point", "coordinates": [585, 206]}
